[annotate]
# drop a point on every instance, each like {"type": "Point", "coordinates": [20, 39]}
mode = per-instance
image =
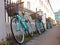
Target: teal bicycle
{"type": "Point", "coordinates": [49, 25]}
{"type": "Point", "coordinates": [19, 27]}
{"type": "Point", "coordinates": [39, 25]}
{"type": "Point", "coordinates": [19, 24]}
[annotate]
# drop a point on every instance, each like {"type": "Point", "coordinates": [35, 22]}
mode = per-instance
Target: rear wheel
{"type": "Point", "coordinates": [37, 28]}
{"type": "Point", "coordinates": [17, 30]}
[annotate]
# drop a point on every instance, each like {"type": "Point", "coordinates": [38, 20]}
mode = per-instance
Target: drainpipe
{"type": "Point", "coordinates": [50, 6]}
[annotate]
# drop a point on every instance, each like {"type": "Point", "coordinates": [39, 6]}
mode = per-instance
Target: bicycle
{"type": "Point", "coordinates": [19, 27]}
{"type": "Point", "coordinates": [49, 25]}
{"type": "Point", "coordinates": [39, 25]}
{"type": "Point", "coordinates": [18, 24]}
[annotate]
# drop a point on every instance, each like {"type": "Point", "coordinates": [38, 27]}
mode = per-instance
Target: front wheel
{"type": "Point", "coordinates": [30, 28]}
{"type": "Point", "coordinates": [17, 30]}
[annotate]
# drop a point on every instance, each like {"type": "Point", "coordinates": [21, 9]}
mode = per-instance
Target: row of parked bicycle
{"type": "Point", "coordinates": [20, 27]}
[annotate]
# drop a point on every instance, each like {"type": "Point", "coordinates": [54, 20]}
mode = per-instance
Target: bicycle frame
{"type": "Point", "coordinates": [23, 24]}
{"type": "Point", "coordinates": [49, 24]}
{"type": "Point", "coordinates": [39, 24]}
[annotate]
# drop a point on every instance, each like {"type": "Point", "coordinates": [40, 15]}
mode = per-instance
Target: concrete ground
{"type": "Point", "coordinates": [50, 37]}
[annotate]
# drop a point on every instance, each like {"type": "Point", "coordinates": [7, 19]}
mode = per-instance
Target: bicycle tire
{"type": "Point", "coordinates": [15, 36]}
{"type": "Point", "coordinates": [37, 28]}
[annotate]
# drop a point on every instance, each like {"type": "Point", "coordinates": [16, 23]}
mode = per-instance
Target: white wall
{"type": "Point", "coordinates": [33, 4]}
{"type": "Point", "coordinates": [48, 9]}
{"type": "Point", "coordinates": [2, 20]}
{"type": "Point", "coordinates": [36, 4]}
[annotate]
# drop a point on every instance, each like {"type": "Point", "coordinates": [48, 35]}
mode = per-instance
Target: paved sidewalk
{"type": "Point", "coordinates": [50, 37]}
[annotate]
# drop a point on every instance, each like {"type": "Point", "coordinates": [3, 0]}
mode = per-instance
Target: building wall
{"type": "Point", "coordinates": [2, 21]}
{"type": "Point", "coordinates": [39, 4]}
{"type": "Point", "coordinates": [49, 10]}
{"type": "Point", "coordinates": [42, 5]}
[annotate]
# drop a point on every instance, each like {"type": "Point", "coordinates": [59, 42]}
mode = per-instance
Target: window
{"type": "Point", "coordinates": [41, 2]}
{"type": "Point", "coordinates": [28, 5]}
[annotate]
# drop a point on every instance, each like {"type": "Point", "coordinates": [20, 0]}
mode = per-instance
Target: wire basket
{"type": "Point", "coordinates": [12, 9]}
